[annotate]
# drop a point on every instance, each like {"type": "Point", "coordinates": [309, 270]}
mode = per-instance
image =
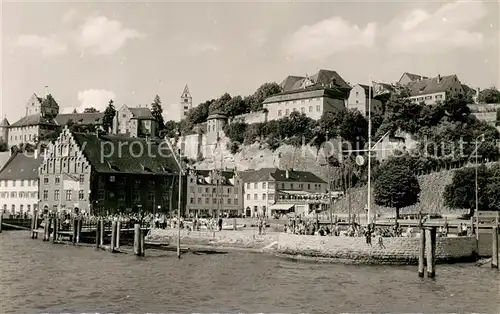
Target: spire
{"type": "Point", "coordinates": [4, 121]}
{"type": "Point", "coordinates": [186, 92]}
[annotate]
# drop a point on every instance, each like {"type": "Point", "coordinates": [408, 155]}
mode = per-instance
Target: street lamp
{"type": "Point", "coordinates": [480, 137]}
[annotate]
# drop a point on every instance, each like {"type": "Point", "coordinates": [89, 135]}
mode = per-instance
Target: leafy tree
{"type": "Point", "coordinates": [219, 105]}
{"type": "Point", "coordinates": [235, 106]}
{"type": "Point", "coordinates": [497, 123]}
{"type": "Point", "coordinates": [74, 111]}
{"type": "Point", "coordinates": [461, 192]}
{"type": "Point", "coordinates": [456, 108]}
{"type": "Point", "coordinates": [157, 112]}
{"type": "Point", "coordinates": [90, 110]}
{"type": "Point", "coordinates": [396, 185]}
{"type": "Point", "coordinates": [489, 96]}
{"type": "Point", "coordinates": [3, 146]}
{"type": "Point", "coordinates": [171, 128]}
{"type": "Point", "coordinates": [199, 114]}
{"type": "Point", "coordinates": [236, 131]}
{"type": "Point", "coordinates": [264, 91]}
{"type": "Point", "coordinates": [109, 115]}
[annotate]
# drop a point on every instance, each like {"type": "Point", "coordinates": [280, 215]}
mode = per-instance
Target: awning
{"type": "Point", "coordinates": [281, 206]}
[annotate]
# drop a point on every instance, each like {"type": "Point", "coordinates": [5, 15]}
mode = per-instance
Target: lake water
{"type": "Point", "coordinates": [39, 277]}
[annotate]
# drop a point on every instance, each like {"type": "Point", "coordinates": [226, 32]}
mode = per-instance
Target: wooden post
{"type": "Point", "coordinates": [117, 243]}
{"type": "Point", "coordinates": [143, 249]}
{"type": "Point", "coordinates": [56, 230]}
{"type": "Point", "coordinates": [234, 224]}
{"type": "Point", "coordinates": [101, 232]}
{"type": "Point", "coordinates": [421, 254]}
{"type": "Point", "coordinates": [494, 251]}
{"type": "Point", "coordinates": [472, 224]}
{"type": "Point", "coordinates": [75, 228]}
{"type": "Point", "coordinates": [137, 239]}
{"type": "Point", "coordinates": [35, 225]}
{"type": "Point", "coordinates": [97, 235]}
{"type": "Point", "coordinates": [1, 221]}
{"type": "Point", "coordinates": [112, 245]}
{"type": "Point", "coordinates": [78, 230]}
{"type": "Point", "coordinates": [46, 229]}
{"type": "Point", "coordinates": [430, 239]}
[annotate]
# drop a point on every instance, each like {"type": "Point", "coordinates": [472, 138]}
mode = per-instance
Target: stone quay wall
{"type": "Point", "coordinates": [354, 250]}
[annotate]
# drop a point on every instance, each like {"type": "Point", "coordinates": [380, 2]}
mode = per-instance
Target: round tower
{"type": "Point", "coordinates": [4, 130]}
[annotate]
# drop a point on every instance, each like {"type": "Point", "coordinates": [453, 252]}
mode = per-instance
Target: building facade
{"type": "Point", "coordinates": [19, 184]}
{"type": "Point", "coordinates": [436, 89]}
{"type": "Point", "coordinates": [409, 77]}
{"type": "Point", "coordinates": [262, 187]}
{"type": "Point", "coordinates": [300, 203]}
{"type": "Point", "coordinates": [108, 174]}
{"type": "Point", "coordinates": [214, 192]}
{"type": "Point", "coordinates": [186, 102]}
{"type": "Point", "coordinates": [358, 99]}
{"type": "Point", "coordinates": [134, 122]}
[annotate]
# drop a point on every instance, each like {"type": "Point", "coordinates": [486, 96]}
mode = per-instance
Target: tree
{"type": "Point", "coordinates": [219, 105]}
{"type": "Point", "coordinates": [3, 146]}
{"type": "Point", "coordinates": [396, 185]}
{"type": "Point", "coordinates": [90, 110]}
{"type": "Point", "coordinates": [109, 115]}
{"type": "Point", "coordinates": [157, 112]}
{"type": "Point", "coordinates": [171, 129]}
{"type": "Point", "coordinates": [199, 114]}
{"type": "Point", "coordinates": [264, 91]}
{"type": "Point", "coordinates": [235, 106]}
{"type": "Point", "coordinates": [461, 192]}
{"type": "Point", "coordinates": [489, 96]}
{"type": "Point", "coordinates": [74, 111]}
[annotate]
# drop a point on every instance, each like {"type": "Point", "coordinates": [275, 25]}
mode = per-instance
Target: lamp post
{"type": "Point", "coordinates": [481, 137]}
{"type": "Point", "coordinates": [329, 185]}
{"type": "Point", "coordinates": [179, 203]}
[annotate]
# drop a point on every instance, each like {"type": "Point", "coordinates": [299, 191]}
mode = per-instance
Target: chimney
{"type": "Point", "coordinates": [439, 78]}
{"type": "Point", "coordinates": [46, 91]}
{"type": "Point", "coordinates": [287, 173]}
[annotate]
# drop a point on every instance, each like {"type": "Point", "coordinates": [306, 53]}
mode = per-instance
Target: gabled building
{"type": "Point", "coordinates": [409, 77]}
{"type": "Point", "coordinates": [109, 174]}
{"type": "Point", "coordinates": [81, 119]}
{"type": "Point", "coordinates": [359, 99]}
{"type": "Point", "coordinates": [214, 192]}
{"type": "Point", "coordinates": [19, 183]}
{"type": "Point", "coordinates": [262, 187]}
{"type": "Point", "coordinates": [134, 122]}
{"type": "Point", "coordinates": [314, 95]}
{"type": "Point", "coordinates": [432, 90]}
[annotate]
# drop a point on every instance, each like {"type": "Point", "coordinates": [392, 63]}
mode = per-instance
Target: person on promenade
{"type": "Point", "coordinates": [220, 223]}
{"type": "Point", "coordinates": [368, 237]}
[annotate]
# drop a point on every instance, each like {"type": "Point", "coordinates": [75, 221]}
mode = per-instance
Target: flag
{"type": "Point", "coordinates": [380, 89]}
{"type": "Point", "coordinates": [70, 182]}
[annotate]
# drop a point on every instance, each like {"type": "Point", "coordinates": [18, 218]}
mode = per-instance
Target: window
{"type": "Point", "coordinates": [13, 183]}
{"type": "Point", "coordinates": [112, 178]}
{"type": "Point", "coordinates": [271, 185]}
{"type": "Point", "coordinates": [255, 185]}
{"type": "Point", "coordinates": [357, 93]}
{"type": "Point", "coordinates": [287, 112]}
{"type": "Point", "coordinates": [101, 195]}
{"type": "Point", "coordinates": [318, 108]}
{"type": "Point", "coordinates": [191, 189]}
{"type": "Point", "coordinates": [301, 186]}
{"type": "Point", "coordinates": [439, 96]}
{"type": "Point", "coordinates": [68, 195]}
{"type": "Point", "coordinates": [310, 108]}
{"type": "Point", "coordinates": [235, 201]}
{"type": "Point", "coordinates": [255, 197]}
{"type": "Point", "coordinates": [428, 97]}
{"type": "Point", "coordinates": [207, 200]}
{"type": "Point", "coordinates": [294, 109]}
{"type": "Point", "coordinates": [207, 190]}
{"type": "Point", "coordinates": [81, 195]}
{"type": "Point", "coordinates": [13, 208]}
{"type": "Point", "coordinates": [248, 185]}
{"type": "Point", "coordinates": [357, 101]}
{"type": "Point", "coordinates": [229, 191]}
{"type": "Point", "coordinates": [56, 195]}
{"type": "Point", "coordinates": [215, 200]}
{"type": "Point", "coordinates": [151, 196]}
{"type": "Point", "coordinates": [303, 110]}
{"type": "Point", "coordinates": [229, 201]}
{"type": "Point", "coordinates": [58, 180]}
{"type": "Point", "coordinates": [309, 186]}
{"type": "Point", "coordinates": [28, 208]}
{"type": "Point", "coordinates": [199, 200]}
{"type": "Point", "coordinates": [264, 196]}
{"type": "Point", "coordinates": [191, 200]}
{"type": "Point", "coordinates": [22, 182]}
{"type": "Point", "coordinates": [45, 195]}
{"type": "Point", "coordinates": [29, 182]}
{"type": "Point", "coordinates": [279, 113]}
{"type": "Point", "coordinates": [121, 196]}
{"type": "Point", "coordinates": [214, 190]}
{"type": "Point", "coordinates": [21, 194]}
{"type": "Point", "coordinates": [271, 196]}
{"type": "Point", "coordinates": [136, 197]}
{"type": "Point", "coordinates": [282, 185]}
{"type": "Point", "coordinates": [200, 190]}
{"type": "Point", "coordinates": [263, 185]}
{"type": "Point", "coordinates": [248, 196]}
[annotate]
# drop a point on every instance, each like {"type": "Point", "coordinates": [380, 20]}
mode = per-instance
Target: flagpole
{"type": "Point", "coordinates": [179, 206]}
{"type": "Point", "coordinates": [369, 198]}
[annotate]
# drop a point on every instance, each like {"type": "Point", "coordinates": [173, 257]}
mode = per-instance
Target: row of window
{"type": "Point", "coordinates": [229, 201]}
{"type": "Point", "coordinates": [214, 190]}
{"type": "Point", "coordinates": [19, 194]}
{"type": "Point", "coordinates": [269, 196]}
{"type": "Point", "coordinates": [21, 208]}
{"type": "Point", "coordinates": [271, 185]}
{"type": "Point", "coordinates": [13, 183]}
{"type": "Point", "coordinates": [68, 194]}
{"type": "Point", "coordinates": [30, 138]}
{"type": "Point", "coordinates": [429, 97]}
{"type": "Point", "coordinates": [192, 180]}
{"type": "Point", "coordinates": [302, 110]}
{"type": "Point", "coordinates": [302, 101]}
{"type": "Point", "coordinates": [57, 179]}
{"type": "Point", "coordinates": [101, 195]}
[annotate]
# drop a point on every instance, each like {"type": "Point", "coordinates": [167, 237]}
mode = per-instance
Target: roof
{"type": "Point", "coordinates": [275, 174]}
{"type": "Point", "coordinates": [227, 175]}
{"type": "Point", "coordinates": [21, 167]}
{"type": "Point", "coordinates": [323, 78]}
{"type": "Point", "coordinates": [216, 116]}
{"type": "Point", "coordinates": [4, 122]}
{"type": "Point", "coordinates": [432, 85]}
{"type": "Point", "coordinates": [309, 92]}
{"type": "Point", "coordinates": [4, 157]}
{"type": "Point", "coordinates": [105, 155]}
{"type": "Point", "coordinates": [141, 113]}
{"type": "Point", "coordinates": [80, 118]}
{"type": "Point", "coordinates": [186, 91]}
{"type": "Point", "coordinates": [34, 119]}
{"type": "Point", "coordinates": [413, 77]}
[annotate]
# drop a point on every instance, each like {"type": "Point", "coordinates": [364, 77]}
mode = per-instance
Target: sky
{"type": "Point", "coordinates": [89, 52]}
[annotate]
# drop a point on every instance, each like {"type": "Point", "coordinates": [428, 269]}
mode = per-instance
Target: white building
{"type": "Point", "coordinates": [432, 90]}
{"type": "Point", "coordinates": [262, 186]}
{"type": "Point", "coordinates": [19, 183]}
{"type": "Point", "coordinates": [359, 98]}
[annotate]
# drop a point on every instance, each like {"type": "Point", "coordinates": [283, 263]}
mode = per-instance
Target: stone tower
{"type": "Point", "coordinates": [46, 106]}
{"type": "Point", "coordinates": [4, 130]}
{"type": "Point", "coordinates": [186, 102]}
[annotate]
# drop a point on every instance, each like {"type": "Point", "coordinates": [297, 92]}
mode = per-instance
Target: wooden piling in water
{"type": "Point", "coordinates": [494, 251]}
{"type": "Point", "coordinates": [421, 254]}
{"type": "Point", "coordinates": [101, 232]}
{"type": "Point", "coordinates": [75, 231]}
{"type": "Point", "coordinates": [112, 245]}
{"type": "Point", "coordinates": [430, 239]}
{"type": "Point", "coordinates": [143, 249]}
{"type": "Point", "coordinates": [234, 224]}
{"type": "Point", "coordinates": [97, 235]}
{"type": "Point", "coordinates": [46, 229]}
{"type": "Point", "coordinates": [56, 230]}
{"type": "Point", "coordinates": [118, 227]}
{"type": "Point", "coordinates": [137, 239]}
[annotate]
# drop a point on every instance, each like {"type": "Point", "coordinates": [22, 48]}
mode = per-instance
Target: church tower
{"type": "Point", "coordinates": [186, 102]}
